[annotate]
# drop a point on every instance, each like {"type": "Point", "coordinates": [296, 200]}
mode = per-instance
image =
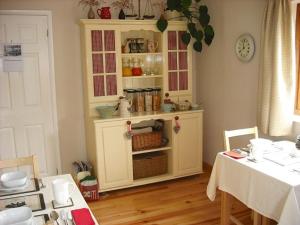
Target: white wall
{"type": "Point", "coordinates": [227, 87]}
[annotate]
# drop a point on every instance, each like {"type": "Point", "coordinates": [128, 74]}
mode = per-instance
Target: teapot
{"type": "Point", "coordinates": [104, 13]}
{"type": "Point", "coordinates": [125, 106]}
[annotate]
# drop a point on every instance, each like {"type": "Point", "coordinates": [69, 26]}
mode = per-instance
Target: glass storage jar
{"type": "Point", "coordinates": [148, 99]}
{"type": "Point", "coordinates": [140, 100]}
{"type": "Point", "coordinates": [156, 99]}
{"type": "Point", "coordinates": [130, 95]}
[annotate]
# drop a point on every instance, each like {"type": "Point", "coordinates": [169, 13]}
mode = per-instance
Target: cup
{"type": "Point", "coordinates": [61, 191]}
{"type": "Point", "coordinates": [259, 146]}
{"type": "Point", "coordinates": [257, 152]}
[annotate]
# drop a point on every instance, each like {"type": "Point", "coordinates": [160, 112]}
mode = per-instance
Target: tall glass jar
{"type": "Point", "coordinates": [140, 100]}
{"type": "Point", "coordinates": [156, 99]}
{"type": "Point", "coordinates": [130, 95]}
{"type": "Point", "coordinates": [148, 99]}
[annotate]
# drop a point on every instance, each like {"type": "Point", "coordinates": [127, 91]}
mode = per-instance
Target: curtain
{"type": "Point", "coordinates": [277, 79]}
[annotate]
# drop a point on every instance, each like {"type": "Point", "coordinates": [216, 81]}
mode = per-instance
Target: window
{"type": "Point", "coordinates": [298, 59]}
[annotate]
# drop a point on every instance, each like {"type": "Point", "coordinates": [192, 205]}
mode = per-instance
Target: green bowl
{"type": "Point", "coordinates": [106, 112]}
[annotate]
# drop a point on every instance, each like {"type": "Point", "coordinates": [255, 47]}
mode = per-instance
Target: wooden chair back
{"type": "Point", "coordinates": [24, 161]}
{"type": "Point", "coordinates": [234, 133]}
{"type": "Point", "coordinates": [226, 209]}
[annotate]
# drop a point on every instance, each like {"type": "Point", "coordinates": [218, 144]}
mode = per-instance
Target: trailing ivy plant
{"type": "Point", "coordinates": [198, 27]}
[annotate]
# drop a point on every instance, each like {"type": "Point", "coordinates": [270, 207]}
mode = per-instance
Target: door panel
{"type": "Point", "coordinates": [28, 33]}
{"type": "Point", "coordinates": [114, 155]}
{"type": "Point", "coordinates": [35, 138]}
{"type": "Point", "coordinates": [27, 123]}
{"type": "Point", "coordinates": [7, 143]}
{"type": "Point", "coordinates": [189, 147]}
{"type": "Point", "coordinates": [31, 79]}
{"type": "Point", "coordinates": [5, 98]}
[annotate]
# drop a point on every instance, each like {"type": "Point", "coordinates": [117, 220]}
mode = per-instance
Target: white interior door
{"type": "Point", "coordinates": [27, 123]}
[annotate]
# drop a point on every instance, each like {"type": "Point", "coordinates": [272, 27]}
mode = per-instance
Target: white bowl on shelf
{"type": "Point", "coordinates": [13, 179]}
{"type": "Point", "coordinates": [16, 216]}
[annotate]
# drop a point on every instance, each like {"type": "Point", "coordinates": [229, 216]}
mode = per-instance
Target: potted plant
{"type": "Point", "coordinates": [122, 5]}
{"type": "Point", "coordinates": [197, 17]}
{"type": "Point", "coordinates": [91, 4]}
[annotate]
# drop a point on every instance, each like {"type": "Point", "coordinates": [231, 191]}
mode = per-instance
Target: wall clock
{"type": "Point", "coordinates": [245, 47]}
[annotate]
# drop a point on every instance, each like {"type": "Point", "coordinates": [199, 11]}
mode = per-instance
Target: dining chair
{"type": "Point", "coordinates": [235, 133]}
{"type": "Point", "coordinates": [226, 199]}
{"type": "Point", "coordinates": [24, 161]}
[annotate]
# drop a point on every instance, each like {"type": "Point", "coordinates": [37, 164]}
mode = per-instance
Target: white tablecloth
{"type": "Point", "coordinates": [268, 188]}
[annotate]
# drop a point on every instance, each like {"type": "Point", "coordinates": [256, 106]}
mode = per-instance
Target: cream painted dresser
{"type": "Point", "coordinates": [103, 54]}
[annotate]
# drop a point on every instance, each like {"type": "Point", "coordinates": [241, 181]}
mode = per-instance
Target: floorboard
{"type": "Point", "coordinates": [177, 202]}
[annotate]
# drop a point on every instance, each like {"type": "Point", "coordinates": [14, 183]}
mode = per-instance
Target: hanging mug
{"type": "Point", "coordinates": [104, 13]}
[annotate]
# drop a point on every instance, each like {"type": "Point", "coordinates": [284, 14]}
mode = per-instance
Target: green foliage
{"type": "Point", "coordinates": [174, 5]}
{"type": "Point", "coordinates": [209, 34]}
{"type": "Point", "coordinates": [198, 20]}
{"type": "Point", "coordinates": [185, 3]}
{"type": "Point", "coordinates": [186, 38]}
{"type": "Point", "coordinates": [162, 24]}
{"type": "Point", "coordinates": [197, 46]}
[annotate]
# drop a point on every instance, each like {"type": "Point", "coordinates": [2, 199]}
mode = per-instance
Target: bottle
{"type": "Point", "coordinates": [156, 98]}
{"type": "Point", "coordinates": [136, 69]}
{"type": "Point", "coordinates": [130, 95]}
{"type": "Point", "coordinates": [126, 70]}
{"type": "Point", "coordinates": [148, 99]}
{"type": "Point", "coordinates": [140, 100]}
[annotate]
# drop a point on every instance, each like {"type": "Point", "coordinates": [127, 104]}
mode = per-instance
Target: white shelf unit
{"type": "Point", "coordinates": [151, 150]}
{"type": "Point", "coordinates": [141, 54]}
{"type": "Point", "coordinates": [142, 77]}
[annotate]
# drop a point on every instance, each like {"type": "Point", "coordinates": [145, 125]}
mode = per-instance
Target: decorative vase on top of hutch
{"type": "Point", "coordinates": [164, 65]}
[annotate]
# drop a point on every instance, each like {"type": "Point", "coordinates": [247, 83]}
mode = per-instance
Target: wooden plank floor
{"type": "Point", "coordinates": [182, 201]}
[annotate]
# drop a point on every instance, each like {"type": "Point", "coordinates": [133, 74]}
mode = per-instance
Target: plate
{"type": "Point", "coordinates": [13, 179]}
{"type": "Point", "coordinates": [17, 216]}
{"type": "Point", "coordinates": [19, 188]}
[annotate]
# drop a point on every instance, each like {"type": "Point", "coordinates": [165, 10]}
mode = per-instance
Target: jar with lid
{"type": "Point", "coordinates": [148, 99]}
{"type": "Point", "coordinates": [156, 98]}
{"type": "Point", "coordinates": [140, 100]}
{"type": "Point", "coordinates": [136, 69]}
{"type": "Point", "coordinates": [130, 95]}
{"type": "Point", "coordinates": [126, 69]}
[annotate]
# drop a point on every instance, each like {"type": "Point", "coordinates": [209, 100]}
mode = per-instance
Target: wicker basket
{"type": "Point", "coordinates": [150, 164]}
{"type": "Point", "coordinates": [146, 141]}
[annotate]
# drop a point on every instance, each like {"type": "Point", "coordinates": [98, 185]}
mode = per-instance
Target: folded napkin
{"type": "Point", "coordinates": [235, 154]}
{"type": "Point", "coordinates": [282, 158]}
{"type": "Point", "coordinates": [82, 217]}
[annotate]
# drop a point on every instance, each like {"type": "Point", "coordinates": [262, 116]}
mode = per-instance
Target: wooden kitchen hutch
{"type": "Point", "coordinates": [108, 147]}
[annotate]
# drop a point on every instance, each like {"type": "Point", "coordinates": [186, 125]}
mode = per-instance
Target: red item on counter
{"type": "Point", "coordinates": [82, 217]}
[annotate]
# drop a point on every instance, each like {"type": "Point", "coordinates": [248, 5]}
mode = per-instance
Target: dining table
{"type": "Point", "coordinates": [45, 190]}
{"type": "Point", "coordinates": [269, 186]}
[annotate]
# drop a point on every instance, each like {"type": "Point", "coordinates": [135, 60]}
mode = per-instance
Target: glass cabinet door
{"type": "Point", "coordinates": [104, 63]}
{"type": "Point", "coordinates": [178, 66]}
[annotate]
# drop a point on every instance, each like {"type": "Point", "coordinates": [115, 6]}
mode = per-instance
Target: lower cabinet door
{"type": "Point", "coordinates": [188, 144]}
{"type": "Point", "coordinates": [114, 156]}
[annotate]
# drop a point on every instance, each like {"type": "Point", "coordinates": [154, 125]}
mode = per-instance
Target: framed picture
{"type": "Point", "coordinates": [12, 50]}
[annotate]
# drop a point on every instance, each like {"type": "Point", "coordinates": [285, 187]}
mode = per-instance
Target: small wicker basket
{"type": "Point", "coordinates": [146, 141]}
{"type": "Point", "coordinates": [150, 164]}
